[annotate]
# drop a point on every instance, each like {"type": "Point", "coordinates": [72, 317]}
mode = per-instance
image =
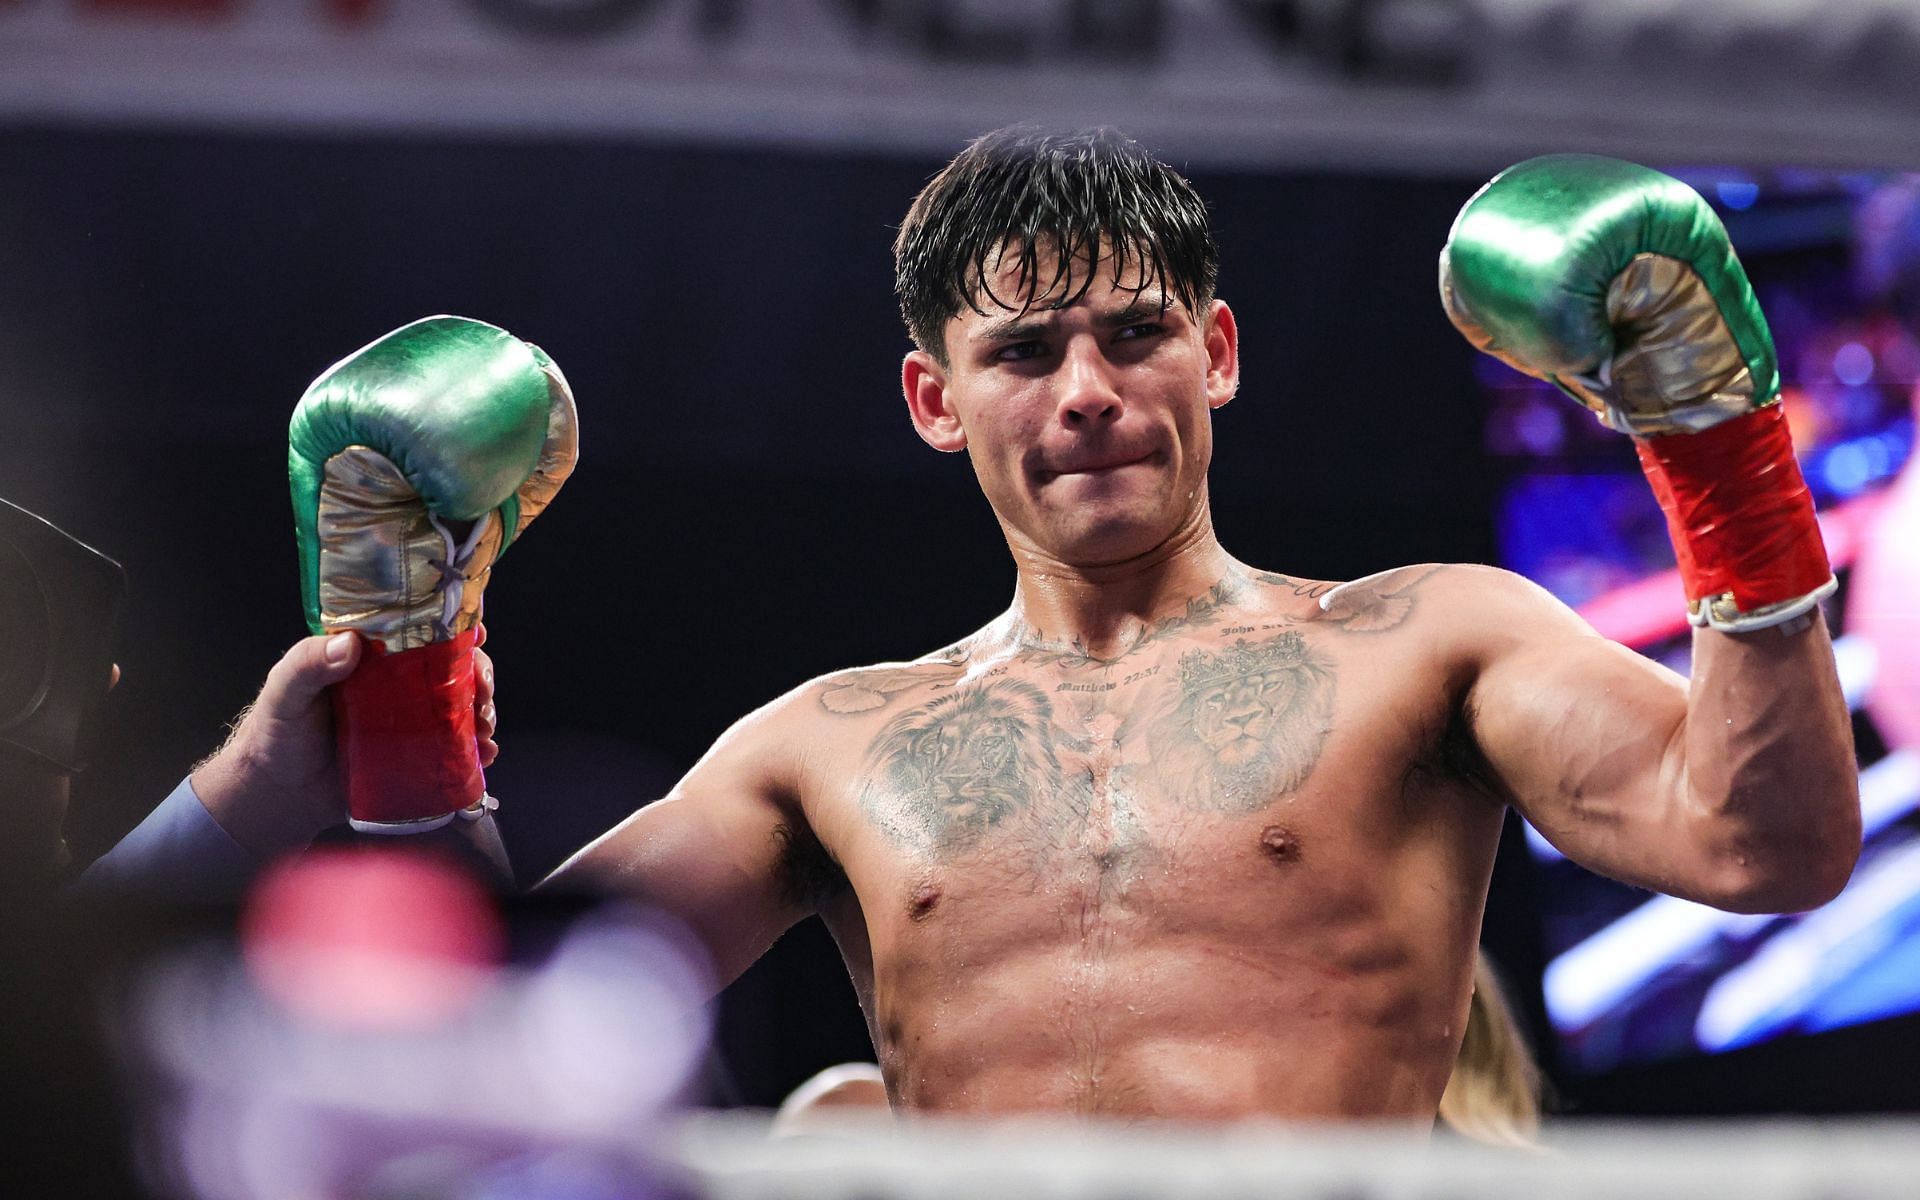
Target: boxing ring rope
{"type": "Point", "coordinates": [731, 1158]}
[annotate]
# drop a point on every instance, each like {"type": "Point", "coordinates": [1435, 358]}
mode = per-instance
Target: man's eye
{"type": "Point", "coordinates": [1019, 351]}
{"type": "Point", "coordinates": [1140, 329]}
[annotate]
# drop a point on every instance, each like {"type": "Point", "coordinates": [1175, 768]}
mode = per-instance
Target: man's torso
{"type": "Point", "coordinates": [1235, 869]}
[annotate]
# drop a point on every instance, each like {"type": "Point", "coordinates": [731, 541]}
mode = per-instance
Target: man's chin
{"type": "Point", "coordinates": [1109, 543]}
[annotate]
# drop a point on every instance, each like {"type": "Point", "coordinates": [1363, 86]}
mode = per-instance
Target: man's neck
{"type": "Point", "coordinates": [1102, 611]}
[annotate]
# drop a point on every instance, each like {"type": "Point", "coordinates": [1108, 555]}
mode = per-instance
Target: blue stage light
{"type": "Point", "coordinates": [1737, 194]}
{"type": "Point", "coordinates": [1846, 469]}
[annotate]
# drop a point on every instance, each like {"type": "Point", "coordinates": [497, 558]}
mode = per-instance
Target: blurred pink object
{"type": "Point", "coordinates": [389, 939]}
{"type": "Point", "coordinates": [1883, 605]}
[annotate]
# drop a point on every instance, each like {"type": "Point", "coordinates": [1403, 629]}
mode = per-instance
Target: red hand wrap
{"type": "Point", "coordinates": [1738, 510]}
{"type": "Point", "coordinates": [403, 726]}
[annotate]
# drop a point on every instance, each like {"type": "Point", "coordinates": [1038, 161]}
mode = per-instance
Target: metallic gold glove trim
{"type": "Point", "coordinates": [386, 567]}
{"type": "Point", "coordinates": [1679, 369]}
{"type": "Point", "coordinates": [558, 453]}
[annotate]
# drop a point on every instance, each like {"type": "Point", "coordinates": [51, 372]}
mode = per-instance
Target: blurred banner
{"type": "Point", "coordinates": [1456, 85]}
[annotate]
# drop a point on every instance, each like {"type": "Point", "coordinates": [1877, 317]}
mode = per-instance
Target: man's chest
{"type": "Point", "coordinates": [1233, 751]}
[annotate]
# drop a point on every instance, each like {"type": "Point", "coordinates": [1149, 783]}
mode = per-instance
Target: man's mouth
{"type": "Point", "coordinates": [1095, 467]}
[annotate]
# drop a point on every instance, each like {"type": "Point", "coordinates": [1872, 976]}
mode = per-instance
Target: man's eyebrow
{"type": "Point", "coordinates": [1143, 308]}
{"type": "Point", "coordinates": [1016, 328]}
{"type": "Point", "coordinates": [1021, 326]}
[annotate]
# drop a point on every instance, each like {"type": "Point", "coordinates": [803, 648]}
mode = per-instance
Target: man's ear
{"type": "Point", "coordinates": [1221, 338]}
{"type": "Point", "coordinates": [924, 381]}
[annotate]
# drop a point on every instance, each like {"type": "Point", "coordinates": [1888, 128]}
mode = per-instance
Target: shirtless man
{"type": "Point", "coordinates": [1176, 836]}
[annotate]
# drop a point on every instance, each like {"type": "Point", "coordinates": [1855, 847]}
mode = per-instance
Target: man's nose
{"type": "Point", "coordinates": [1087, 393]}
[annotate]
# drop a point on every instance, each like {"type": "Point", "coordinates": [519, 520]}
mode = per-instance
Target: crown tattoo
{"type": "Point", "coordinates": [1200, 671]}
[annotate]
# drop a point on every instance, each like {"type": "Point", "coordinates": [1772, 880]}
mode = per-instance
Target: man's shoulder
{"type": "Point", "coordinates": [865, 689]}
{"type": "Point", "coordinates": [1450, 578]}
{"type": "Point", "coordinates": [852, 691]}
{"type": "Point", "coordinates": [1466, 609]}
{"type": "Point", "coordinates": [784, 740]}
{"type": "Point", "coordinates": [1435, 595]}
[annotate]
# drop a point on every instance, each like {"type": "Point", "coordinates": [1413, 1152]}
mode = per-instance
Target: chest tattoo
{"type": "Point", "coordinates": [1246, 723]}
{"type": "Point", "coordinates": [1371, 605]}
{"type": "Point", "coordinates": [1201, 611]}
{"type": "Point", "coordinates": [1225, 727]}
{"type": "Point", "coordinates": [940, 775]}
{"type": "Point", "coordinates": [862, 691]}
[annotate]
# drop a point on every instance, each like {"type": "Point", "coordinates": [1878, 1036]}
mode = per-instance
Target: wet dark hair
{"type": "Point", "coordinates": [1060, 202]}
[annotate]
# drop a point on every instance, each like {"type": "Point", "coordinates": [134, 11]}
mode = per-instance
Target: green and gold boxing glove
{"type": "Point", "coordinates": [414, 463]}
{"type": "Point", "coordinates": [1617, 284]}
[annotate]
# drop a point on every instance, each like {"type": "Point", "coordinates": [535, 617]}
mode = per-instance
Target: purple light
{"type": "Point", "coordinates": [1539, 429]}
{"type": "Point", "coordinates": [1853, 364]}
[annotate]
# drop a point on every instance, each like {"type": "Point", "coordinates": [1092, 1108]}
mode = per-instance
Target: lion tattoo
{"type": "Point", "coordinates": [942, 774]}
{"type": "Point", "coordinates": [1247, 724]}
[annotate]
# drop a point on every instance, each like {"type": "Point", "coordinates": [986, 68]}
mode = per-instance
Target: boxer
{"type": "Point", "coordinates": [1179, 836]}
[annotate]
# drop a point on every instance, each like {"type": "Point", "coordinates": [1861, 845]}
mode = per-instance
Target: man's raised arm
{"type": "Point", "coordinates": [1617, 285]}
{"type": "Point", "coordinates": [724, 852]}
{"type": "Point", "coordinates": [276, 784]}
{"type": "Point", "coordinates": [1736, 790]}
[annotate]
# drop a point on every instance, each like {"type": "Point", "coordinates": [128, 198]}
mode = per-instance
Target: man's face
{"type": "Point", "coordinates": [1088, 426]}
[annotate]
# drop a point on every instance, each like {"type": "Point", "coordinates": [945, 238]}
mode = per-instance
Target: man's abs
{"type": "Point", "coordinates": [1227, 966]}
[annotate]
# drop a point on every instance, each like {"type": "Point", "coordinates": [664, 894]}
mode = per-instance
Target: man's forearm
{"type": "Point", "coordinates": [182, 851]}
{"type": "Point", "coordinates": [177, 852]}
{"type": "Point", "coordinates": [1770, 767]}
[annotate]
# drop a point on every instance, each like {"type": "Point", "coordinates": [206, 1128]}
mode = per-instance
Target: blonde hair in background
{"type": "Point", "coordinates": [1493, 1095]}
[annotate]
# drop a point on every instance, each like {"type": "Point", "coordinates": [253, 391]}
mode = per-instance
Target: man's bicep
{"type": "Point", "coordinates": [715, 857]}
{"type": "Point", "coordinates": [1583, 735]}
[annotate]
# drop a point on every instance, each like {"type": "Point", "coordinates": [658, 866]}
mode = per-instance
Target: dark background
{"type": "Point", "coordinates": [751, 507]}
